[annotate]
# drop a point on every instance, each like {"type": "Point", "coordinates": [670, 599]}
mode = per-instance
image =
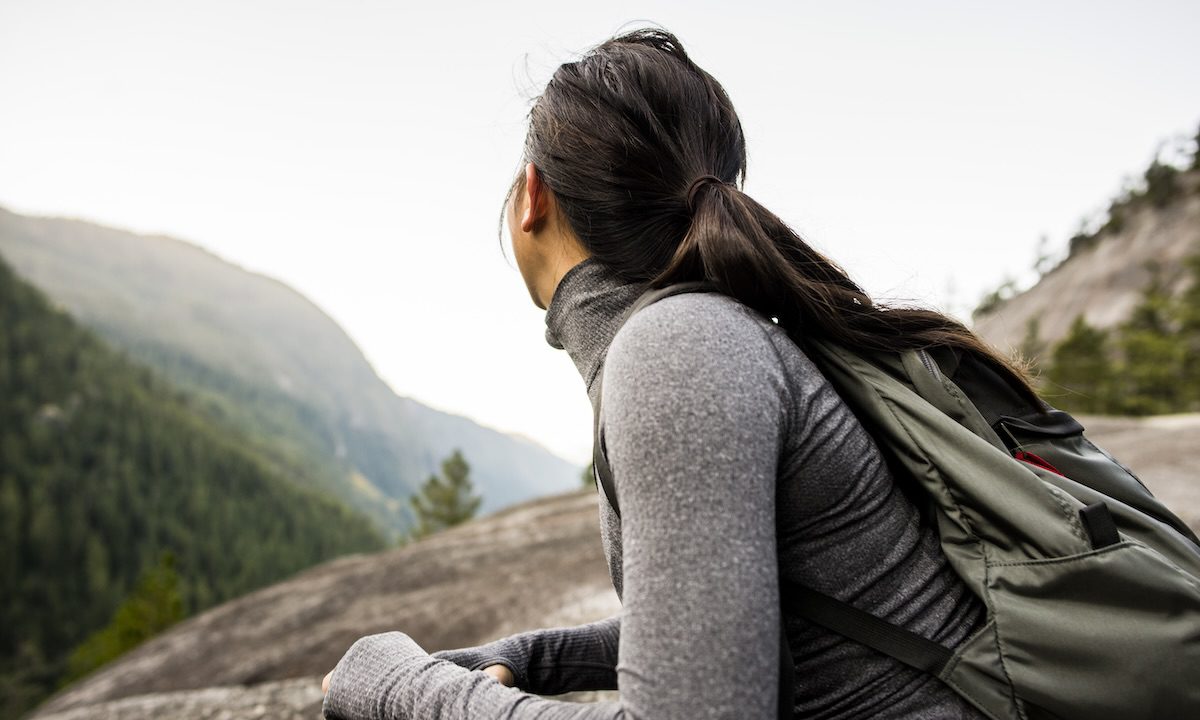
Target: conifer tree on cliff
{"type": "Point", "coordinates": [1196, 152]}
{"type": "Point", "coordinates": [1188, 311]}
{"type": "Point", "coordinates": [1149, 378]}
{"type": "Point", "coordinates": [1080, 371]}
{"type": "Point", "coordinates": [446, 500]}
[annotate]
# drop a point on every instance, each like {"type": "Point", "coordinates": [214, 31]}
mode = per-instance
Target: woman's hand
{"type": "Point", "coordinates": [500, 672]}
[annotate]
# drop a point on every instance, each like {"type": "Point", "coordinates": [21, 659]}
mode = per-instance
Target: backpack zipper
{"type": "Point", "coordinates": [929, 363]}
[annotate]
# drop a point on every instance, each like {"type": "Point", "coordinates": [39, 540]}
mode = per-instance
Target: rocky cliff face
{"type": "Point", "coordinates": [1103, 281]}
{"type": "Point", "coordinates": [537, 565]}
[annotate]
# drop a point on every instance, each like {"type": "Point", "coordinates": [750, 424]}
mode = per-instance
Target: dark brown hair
{"type": "Point", "coordinates": [621, 136]}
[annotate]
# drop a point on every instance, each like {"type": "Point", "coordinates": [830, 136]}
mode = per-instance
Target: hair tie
{"type": "Point", "coordinates": [696, 185]}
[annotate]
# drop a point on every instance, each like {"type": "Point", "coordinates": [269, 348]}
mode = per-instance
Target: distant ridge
{"type": "Point", "coordinates": [1104, 277]}
{"type": "Point", "coordinates": [269, 363]}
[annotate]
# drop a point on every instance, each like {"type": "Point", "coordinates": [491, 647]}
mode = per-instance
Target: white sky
{"type": "Point", "coordinates": [359, 151]}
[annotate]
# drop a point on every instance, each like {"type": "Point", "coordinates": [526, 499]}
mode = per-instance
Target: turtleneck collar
{"type": "Point", "coordinates": [584, 312]}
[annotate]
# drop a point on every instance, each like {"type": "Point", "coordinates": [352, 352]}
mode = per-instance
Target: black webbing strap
{"type": "Point", "coordinates": [876, 633]}
{"type": "Point", "coordinates": [600, 468]}
{"type": "Point", "coordinates": [787, 676]}
{"type": "Point", "coordinates": [1101, 528]}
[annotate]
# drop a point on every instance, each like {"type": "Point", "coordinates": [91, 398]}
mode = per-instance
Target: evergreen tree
{"type": "Point", "coordinates": [1080, 365]}
{"type": "Point", "coordinates": [588, 477]}
{"type": "Point", "coordinates": [1152, 353]}
{"type": "Point", "coordinates": [446, 500]}
{"type": "Point", "coordinates": [1187, 314]}
{"type": "Point", "coordinates": [1196, 152]}
{"type": "Point", "coordinates": [1162, 183]}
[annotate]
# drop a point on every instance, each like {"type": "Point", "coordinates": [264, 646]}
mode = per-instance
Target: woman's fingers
{"type": "Point", "coordinates": [325, 683]}
{"type": "Point", "coordinates": [501, 673]}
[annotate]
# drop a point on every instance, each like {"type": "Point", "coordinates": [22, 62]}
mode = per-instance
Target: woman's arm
{"type": "Point", "coordinates": [695, 404]}
{"type": "Point", "coordinates": [551, 661]}
{"type": "Point", "coordinates": [695, 407]}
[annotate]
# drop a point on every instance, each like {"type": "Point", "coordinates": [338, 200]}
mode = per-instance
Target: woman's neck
{"type": "Point", "coordinates": [584, 312]}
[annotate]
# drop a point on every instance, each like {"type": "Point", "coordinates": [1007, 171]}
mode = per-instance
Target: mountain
{"type": "Point", "coordinates": [1106, 271]}
{"type": "Point", "coordinates": [269, 363]}
{"type": "Point", "coordinates": [537, 565]}
{"type": "Point", "coordinates": [104, 469]}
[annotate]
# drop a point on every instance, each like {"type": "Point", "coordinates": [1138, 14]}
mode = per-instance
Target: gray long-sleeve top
{"type": "Point", "coordinates": [735, 461]}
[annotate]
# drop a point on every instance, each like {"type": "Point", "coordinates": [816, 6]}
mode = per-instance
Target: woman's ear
{"type": "Point", "coordinates": [533, 197]}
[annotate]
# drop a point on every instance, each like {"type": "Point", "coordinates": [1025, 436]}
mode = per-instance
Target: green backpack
{"type": "Point", "coordinates": [1092, 586]}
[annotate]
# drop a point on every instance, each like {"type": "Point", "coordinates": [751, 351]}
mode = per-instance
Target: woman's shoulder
{"type": "Point", "coordinates": [701, 320]}
{"type": "Point", "coordinates": [698, 337]}
{"type": "Point", "coordinates": [701, 324]}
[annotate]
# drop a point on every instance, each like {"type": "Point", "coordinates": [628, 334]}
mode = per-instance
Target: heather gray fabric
{"type": "Point", "coordinates": [733, 457]}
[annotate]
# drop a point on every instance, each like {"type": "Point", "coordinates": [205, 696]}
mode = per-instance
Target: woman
{"type": "Point", "coordinates": [736, 463]}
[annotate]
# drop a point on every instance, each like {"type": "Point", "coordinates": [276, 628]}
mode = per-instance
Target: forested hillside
{"type": "Point", "coordinates": [265, 360]}
{"type": "Point", "coordinates": [105, 470]}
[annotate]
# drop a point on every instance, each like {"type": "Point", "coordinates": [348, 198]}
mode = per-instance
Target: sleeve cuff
{"type": "Point", "coordinates": [482, 656]}
{"type": "Point", "coordinates": [368, 671]}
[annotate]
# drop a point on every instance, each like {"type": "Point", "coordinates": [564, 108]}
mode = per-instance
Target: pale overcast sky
{"type": "Point", "coordinates": [359, 151]}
